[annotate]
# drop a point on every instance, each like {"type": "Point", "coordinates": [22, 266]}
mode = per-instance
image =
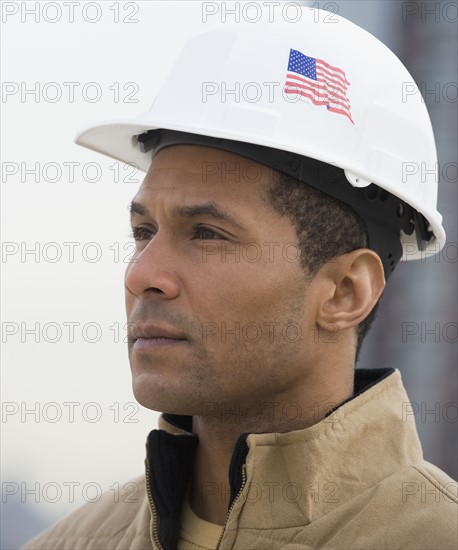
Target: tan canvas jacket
{"type": "Point", "coordinates": [354, 480]}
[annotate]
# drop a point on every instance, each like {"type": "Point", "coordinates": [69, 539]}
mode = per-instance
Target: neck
{"type": "Point", "coordinates": [221, 425]}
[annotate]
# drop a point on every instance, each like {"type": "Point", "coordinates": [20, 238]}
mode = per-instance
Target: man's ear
{"type": "Point", "coordinates": [350, 286]}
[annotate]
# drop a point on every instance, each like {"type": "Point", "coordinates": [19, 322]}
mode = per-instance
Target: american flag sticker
{"type": "Point", "coordinates": [319, 82]}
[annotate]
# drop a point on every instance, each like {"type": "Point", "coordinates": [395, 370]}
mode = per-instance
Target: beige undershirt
{"type": "Point", "coordinates": [196, 533]}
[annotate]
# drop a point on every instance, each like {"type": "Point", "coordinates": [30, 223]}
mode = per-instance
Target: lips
{"type": "Point", "coordinates": [153, 332]}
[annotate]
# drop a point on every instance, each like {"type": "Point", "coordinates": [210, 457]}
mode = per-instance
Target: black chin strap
{"type": "Point", "coordinates": [384, 214]}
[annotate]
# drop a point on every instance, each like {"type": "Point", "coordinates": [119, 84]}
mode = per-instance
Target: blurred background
{"type": "Point", "coordinates": [70, 425]}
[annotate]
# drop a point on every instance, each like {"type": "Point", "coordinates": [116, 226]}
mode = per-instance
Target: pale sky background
{"type": "Point", "coordinates": [45, 375]}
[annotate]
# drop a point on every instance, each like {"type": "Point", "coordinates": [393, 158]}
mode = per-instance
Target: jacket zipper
{"type": "Point", "coordinates": [153, 509]}
{"type": "Point", "coordinates": [233, 504]}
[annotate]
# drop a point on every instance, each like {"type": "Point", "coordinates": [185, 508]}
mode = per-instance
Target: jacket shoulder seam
{"type": "Point", "coordinates": [434, 481]}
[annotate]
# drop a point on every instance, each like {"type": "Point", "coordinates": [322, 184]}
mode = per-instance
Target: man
{"type": "Point", "coordinates": [265, 232]}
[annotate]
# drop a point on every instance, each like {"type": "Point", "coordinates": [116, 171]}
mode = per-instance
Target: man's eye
{"type": "Point", "coordinates": [141, 233]}
{"type": "Point", "coordinates": [207, 234]}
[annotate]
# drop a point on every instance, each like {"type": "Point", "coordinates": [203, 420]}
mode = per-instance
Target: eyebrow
{"type": "Point", "coordinates": [208, 209]}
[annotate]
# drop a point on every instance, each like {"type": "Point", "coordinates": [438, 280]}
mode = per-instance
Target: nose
{"type": "Point", "coordinates": [150, 271]}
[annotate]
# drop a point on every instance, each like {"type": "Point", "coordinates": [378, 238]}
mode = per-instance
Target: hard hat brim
{"type": "Point", "coordinates": [116, 139]}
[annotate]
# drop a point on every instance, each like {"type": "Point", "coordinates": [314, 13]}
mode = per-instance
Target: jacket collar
{"type": "Point", "coordinates": [294, 477]}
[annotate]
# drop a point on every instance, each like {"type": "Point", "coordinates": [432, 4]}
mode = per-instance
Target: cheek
{"type": "Point", "coordinates": [245, 290]}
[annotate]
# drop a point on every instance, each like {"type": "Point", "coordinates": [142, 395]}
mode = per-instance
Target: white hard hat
{"type": "Point", "coordinates": [328, 91]}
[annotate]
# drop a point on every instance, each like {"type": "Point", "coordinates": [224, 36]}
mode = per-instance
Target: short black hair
{"type": "Point", "coordinates": [325, 228]}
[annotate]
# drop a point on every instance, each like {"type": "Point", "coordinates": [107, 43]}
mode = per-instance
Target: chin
{"type": "Point", "coordinates": [163, 398]}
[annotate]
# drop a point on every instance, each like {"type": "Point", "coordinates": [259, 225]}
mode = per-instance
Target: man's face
{"type": "Point", "coordinates": [215, 295]}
